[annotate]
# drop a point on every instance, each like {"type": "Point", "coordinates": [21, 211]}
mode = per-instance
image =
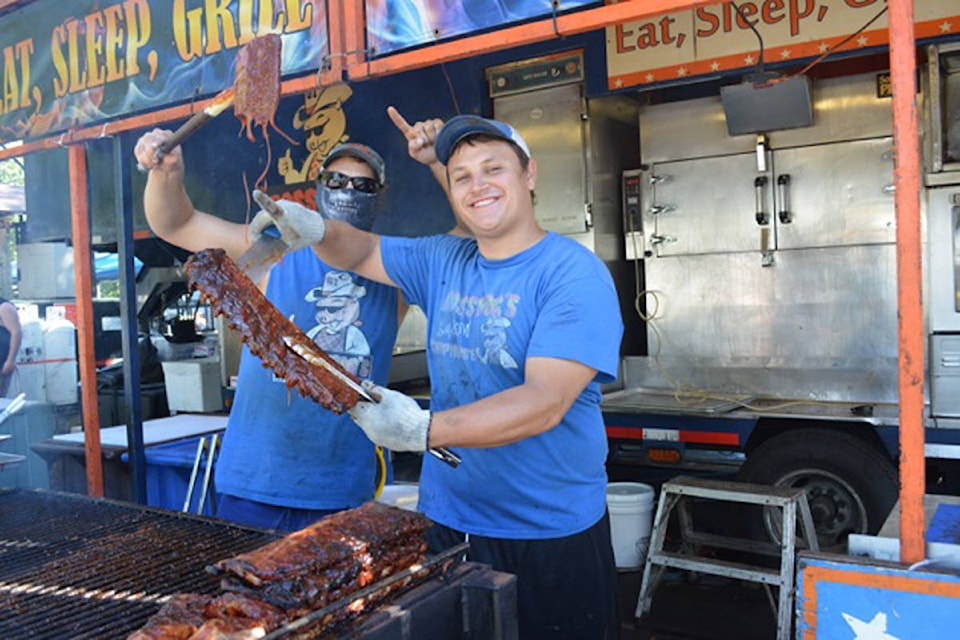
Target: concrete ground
{"type": "Point", "coordinates": [705, 608]}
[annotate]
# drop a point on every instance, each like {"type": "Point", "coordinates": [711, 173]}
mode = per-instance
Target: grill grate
{"type": "Point", "coordinates": [78, 567]}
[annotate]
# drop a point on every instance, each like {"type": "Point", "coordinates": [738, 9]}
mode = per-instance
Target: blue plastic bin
{"type": "Point", "coordinates": [168, 475]}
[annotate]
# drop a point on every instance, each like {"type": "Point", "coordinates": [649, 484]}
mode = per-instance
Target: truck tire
{"type": "Point", "coordinates": [851, 486]}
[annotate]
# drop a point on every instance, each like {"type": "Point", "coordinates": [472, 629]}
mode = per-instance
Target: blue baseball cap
{"type": "Point", "coordinates": [459, 127]}
{"type": "Point", "coordinates": [361, 152]}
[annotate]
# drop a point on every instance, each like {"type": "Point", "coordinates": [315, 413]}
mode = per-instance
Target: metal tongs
{"type": "Point", "coordinates": [441, 453]}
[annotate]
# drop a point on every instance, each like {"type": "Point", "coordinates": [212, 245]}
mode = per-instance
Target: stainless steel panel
{"type": "Point", "coordinates": [844, 108]}
{"type": "Point", "coordinates": [409, 351]}
{"type": "Point", "coordinates": [945, 375]}
{"type": "Point", "coordinates": [688, 129]}
{"type": "Point", "coordinates": [704, 205]}
{"type": "Point", "coordinates": [815, 324]}
{"type": "Point", "coordinates": [551, 121]}
{"type": "Point", "coordinates": [943, 267]}
{"type": "Point", "coordinates": [839, 194]}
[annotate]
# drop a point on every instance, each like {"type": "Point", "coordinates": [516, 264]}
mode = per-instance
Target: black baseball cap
{"type": "Point", "coordinates": [361, 152]}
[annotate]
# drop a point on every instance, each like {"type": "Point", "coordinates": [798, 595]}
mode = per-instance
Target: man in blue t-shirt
{"type": "Point", "coordinates": [523, 326]}
{"type": "Point", "coordinates": [285, 461]}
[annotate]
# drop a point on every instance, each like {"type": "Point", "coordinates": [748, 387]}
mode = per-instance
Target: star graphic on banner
{"type": "Point", "coordinates": [682, 71]}
{"type": "Point", "coordinates": [618, 83]}
{"type": "Point", "coordinates": [785, 54]}
{"type": "Point", "coordinates": [945, 27]}
{"type": "Point", "coordinates": [862, 41]}
{"type": "Point", "coordinates": [714, 66]}
{"type": "Point", "coordinates": [649, 77]}
{"type": "Point", "coordinates": [876, 629]}
{"type": "Point", "coordinates": [823, 47]}
{"type": "Point", "coordinates": [749, 60]}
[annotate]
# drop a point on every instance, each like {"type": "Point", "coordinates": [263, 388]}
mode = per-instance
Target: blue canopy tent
{"type": "Point", "coordinates": [106, 266]}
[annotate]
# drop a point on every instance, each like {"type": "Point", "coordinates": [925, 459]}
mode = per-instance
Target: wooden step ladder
{"type": "Point", "coordinates": [678, 494]}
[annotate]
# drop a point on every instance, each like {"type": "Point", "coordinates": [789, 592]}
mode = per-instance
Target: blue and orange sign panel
{"type": "Point", "coordinates": [863, 600]}
{"type": "Point", "coordinates": [399, 24]}
{"type": "Point", "coordinates": [68, 64]}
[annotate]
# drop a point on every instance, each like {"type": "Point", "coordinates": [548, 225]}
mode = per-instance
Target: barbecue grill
{"type": "Point", "coordinates": [78, 567]}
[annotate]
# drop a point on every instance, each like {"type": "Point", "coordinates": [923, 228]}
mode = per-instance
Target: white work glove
{"type": "Point", "coordinates": [396, 422]}
{"type": "Point", "coordinates": [299, 227]}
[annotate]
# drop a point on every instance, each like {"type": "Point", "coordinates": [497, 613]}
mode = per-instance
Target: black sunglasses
{"type": "Point", "coordinates": [337, 180]}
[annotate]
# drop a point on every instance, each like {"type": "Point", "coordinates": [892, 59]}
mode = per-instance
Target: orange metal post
{"type": "Point", "coordinates": [335, 42]}
{"type": "Point", "coordinates": [903, 62]}
{"type": "Point", "coordinates": [354, 27]}
{"type": "Point", "coordinates": [82, 265]}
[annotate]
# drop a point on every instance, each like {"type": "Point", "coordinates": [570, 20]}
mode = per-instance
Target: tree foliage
{"type": "Point", "coordinates": [11, 172]}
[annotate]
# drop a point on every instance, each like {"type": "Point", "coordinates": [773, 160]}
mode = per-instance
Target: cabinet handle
{"type": "Point", "coordinates": [783, 196]}
{"type": "Point", "coordinates": [759, 185]}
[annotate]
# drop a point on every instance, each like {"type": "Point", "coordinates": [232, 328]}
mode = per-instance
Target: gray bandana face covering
{"type": "Point", "coordinates": [354, 207]}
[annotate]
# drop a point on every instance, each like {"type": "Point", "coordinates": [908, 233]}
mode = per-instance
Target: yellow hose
{"type": "Point", "coordinates": [381, 472]}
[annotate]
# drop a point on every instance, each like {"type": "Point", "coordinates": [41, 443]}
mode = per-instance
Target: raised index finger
{"type": "Point", "coordinates": [401, 123]}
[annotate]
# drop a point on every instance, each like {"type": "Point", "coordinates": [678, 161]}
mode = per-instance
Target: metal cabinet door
{"type": "Point", "coordinates": [705, 205]}
{"type": "Point", "coordinates": [838, 194]}
{"type": "Point", "coordinates": [551, 121]}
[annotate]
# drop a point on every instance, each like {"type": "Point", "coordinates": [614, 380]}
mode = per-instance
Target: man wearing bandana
{"type": "Point", "coordinates": [285, 461]}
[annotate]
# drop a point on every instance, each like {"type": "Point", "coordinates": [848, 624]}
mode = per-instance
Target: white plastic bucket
{"type": "Point", "coordinates": [631, 513]}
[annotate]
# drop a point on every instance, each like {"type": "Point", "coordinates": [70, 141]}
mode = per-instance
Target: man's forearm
{"type": "Point", "coordinates": [166, 204]}
{"type": "Point", "coordinates": [16, 337]}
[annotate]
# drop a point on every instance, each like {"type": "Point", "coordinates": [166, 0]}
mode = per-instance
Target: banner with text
{"type": "Point", "coordinates": [68, 64]}
{"type": "Point", "coordinates": [715, 39]}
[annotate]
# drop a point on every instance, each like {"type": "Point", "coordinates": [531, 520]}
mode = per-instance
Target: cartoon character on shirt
{"type": "Point", "coordinates": [338, 331]}
{"type": "Point", "coordinates": [494, 332]}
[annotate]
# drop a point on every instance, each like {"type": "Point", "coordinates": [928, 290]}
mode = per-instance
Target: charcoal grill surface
{"type": "Point", "coordinates": [78, 567]}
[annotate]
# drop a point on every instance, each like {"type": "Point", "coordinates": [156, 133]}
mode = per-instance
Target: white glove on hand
{"type": "Point", "coordinates": [299, 227]}
{"type": "Point", "coordinates": [396, 422]}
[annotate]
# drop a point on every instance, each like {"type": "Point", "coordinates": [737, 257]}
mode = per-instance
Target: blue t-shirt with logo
{"type": "Point", "coordinates": [485, 317]}
{"type": "Point", "coordinates": [286, 450]}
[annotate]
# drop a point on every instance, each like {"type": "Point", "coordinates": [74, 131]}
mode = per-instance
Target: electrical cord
{"type": "Point", "coordinates": [853, 35]}
{"type": "Point", "coordinates": [381, 472]}
{"type": "Point", "coordinates": [757, 33]}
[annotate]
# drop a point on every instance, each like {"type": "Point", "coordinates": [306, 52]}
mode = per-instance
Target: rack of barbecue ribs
{"type": "Point", "coordinates": [263, 329]}
{"type": "Point", "coordinates": [193, 616]}
{"type": "Point", "coordinates": [343, 554]}
{"type": "Point", "coordinates": [338, 555]}
{"type": "Point", "coordinates": [257, 83]}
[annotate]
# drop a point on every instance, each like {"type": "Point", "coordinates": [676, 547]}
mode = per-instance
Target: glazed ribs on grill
{"type": "Point", "coordinates": [329, 560]}
{"type": "Point", "coordinates": [301, 573]}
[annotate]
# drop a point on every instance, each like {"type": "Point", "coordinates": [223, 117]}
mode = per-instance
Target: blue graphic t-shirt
{"type": "Point", "coordinates": [484, 319]}
{"type": "Point", "coordinates": [282, 449]}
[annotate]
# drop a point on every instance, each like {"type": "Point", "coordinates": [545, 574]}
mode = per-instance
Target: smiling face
{"type": "Point", "coordinates": [490, 192]}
